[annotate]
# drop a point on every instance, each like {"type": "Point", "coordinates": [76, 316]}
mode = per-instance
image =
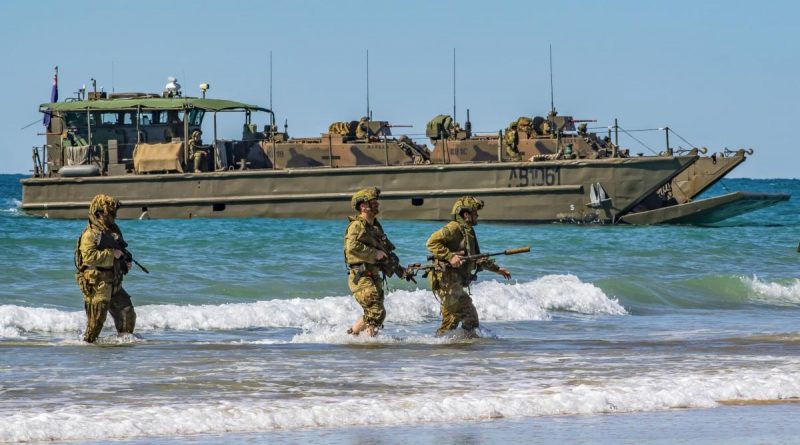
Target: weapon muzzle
{"type": "Point", "coordinates": [517, 250]}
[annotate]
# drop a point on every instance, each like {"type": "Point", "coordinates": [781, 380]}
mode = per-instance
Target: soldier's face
{"type": "Point", "coordinates": [108, 217]}
{"type": "Point", "coordinates": [374, 206]}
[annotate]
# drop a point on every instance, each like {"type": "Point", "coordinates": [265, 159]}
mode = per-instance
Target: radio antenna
{"type": "Point", "coordinates": [552, 102]}
{"type": "Point", "coordinates": [270, 80]}
{"type": "Point", "coordinates": [368, 116]}
{"type": "Point", "coordinates": [454, 84]}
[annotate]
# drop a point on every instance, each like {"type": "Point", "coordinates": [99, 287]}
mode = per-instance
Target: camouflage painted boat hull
{"type": "Point", "coordinates": [532, 192]}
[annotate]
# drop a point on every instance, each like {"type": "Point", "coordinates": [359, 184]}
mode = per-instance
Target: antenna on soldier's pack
{"type": "Point", "coordinates": [367, 85]}
{"type": "Point", "coordinates": [552, 103]}
{"type": "Point", "coordinates": [454, 84]}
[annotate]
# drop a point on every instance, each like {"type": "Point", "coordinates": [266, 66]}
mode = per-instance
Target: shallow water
{"type": "Point", "coordinates": [240, 334]}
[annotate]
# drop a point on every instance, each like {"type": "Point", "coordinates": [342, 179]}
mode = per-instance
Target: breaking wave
{"type": "Point", "coordinates": [658, 390]}
{"type": "Point", "coordinates": [786, 293]}
{"type": "Point", "coordinates": [535, 300]}
{"type": "Point", "coordinates": [10, 206]}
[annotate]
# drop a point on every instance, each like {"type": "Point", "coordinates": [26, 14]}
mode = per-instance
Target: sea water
{"type": "Point", "coordinates": [638, 334]}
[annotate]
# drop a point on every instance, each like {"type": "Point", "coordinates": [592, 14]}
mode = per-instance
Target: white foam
{"type": "Point", "coordinates": [15, 320]}
{"type": "Point", "coordinates": [774, 293]}
{"type": "Point", "coordinates": [13, 210]}
{"type": "Point", "coordinates": [534, 300]}
{"type": "Point", "coordinates": [495, 302]}
{"type": "Point", "coordinates": [659, 390]}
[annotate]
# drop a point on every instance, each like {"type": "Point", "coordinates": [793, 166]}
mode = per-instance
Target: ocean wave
{"type": "Point", "coordinates": [655, 391]}
{"type": "Point", "coordinates": [495, 301]}
{"type": "Point", "coordinates": [786, 293]}
{"type": "Point", "coordinates": [10, 206]}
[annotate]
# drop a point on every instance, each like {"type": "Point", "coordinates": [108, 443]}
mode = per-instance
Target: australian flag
{"type": "Point", "coordinates": [53, 99]}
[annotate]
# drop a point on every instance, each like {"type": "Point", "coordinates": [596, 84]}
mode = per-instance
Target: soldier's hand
{"type": "Point", "coordinates": [456, 261]}
{"type": "Point", "coordinates": [505, 273]}
{"type": "Point", "coordinates": [129, 265]}
{"type": "Point", "coordinates": [117, 253]}
{"type": "Point", "coordinates": [380, 255]}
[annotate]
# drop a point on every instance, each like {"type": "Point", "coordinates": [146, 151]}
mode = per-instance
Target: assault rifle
{"type": "Point", "coordinates": [107, 242]}
{"type": "Point", "coordinates": [439, 265]}
{"type": "Point", "coordinates": [389, 266]}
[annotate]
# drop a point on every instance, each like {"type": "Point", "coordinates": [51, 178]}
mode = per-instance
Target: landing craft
{"type": "Point", "coordinates": [134, 146]}
{"type": "Point", "coordinates": [556, 138]}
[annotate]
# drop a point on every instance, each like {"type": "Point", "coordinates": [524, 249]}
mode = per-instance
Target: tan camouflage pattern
{"type": "Point", "coordinates": [340, 128]}
{"type": "Point", "coordinates": [197, 152]}
{"type": "Point", "coordinates": [100, 275]}
{"type": "Point", "coordinates": [364, 195]}
{"type": "Point", "coordinates": [456, 304]}
{"type": "Point", "coordinates": [362, 129]}
{"type": "Point", "coordinates": [512, 144]}
{"type": "Point", "coordinates": [449, 283]}
{"type": "Point", "coordinates": [360, 241]}
{"type": "Point", "coordinates": [469, 203]}
{"type": "Point", "coordinates": [368, 292]}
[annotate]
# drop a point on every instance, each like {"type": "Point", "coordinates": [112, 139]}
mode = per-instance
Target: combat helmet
{"type": "Point", "coordinates": [364, 195]}
{"type": "Point", "coordinates": [103, 203]}
{"type": "Point", "coordinates": [197, 133]}
{"type": "Point", "coordinates": [466, 203]}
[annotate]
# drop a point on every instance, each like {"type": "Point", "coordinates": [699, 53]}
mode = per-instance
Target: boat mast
{"type": "Point", "coordinates": [454, 85]}
{"type": "Point", "coordinates": [552, 102]}
{"type": "Point", "coordinates": [270, 81]}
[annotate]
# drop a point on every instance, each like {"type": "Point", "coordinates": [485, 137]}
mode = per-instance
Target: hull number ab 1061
{"type": "Point", "coordinates": [534, 176]}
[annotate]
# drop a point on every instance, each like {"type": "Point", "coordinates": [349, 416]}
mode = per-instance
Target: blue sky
{"type": "Point", "coordinates": [720, 73]}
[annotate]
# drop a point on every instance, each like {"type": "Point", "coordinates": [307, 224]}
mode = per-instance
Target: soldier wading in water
{"type": "Point", "coordinates": [451, 281]}
{"type": "Point", "coordinates": [367, 251]}
{"type": "Point", "coordinates": [100, 271]}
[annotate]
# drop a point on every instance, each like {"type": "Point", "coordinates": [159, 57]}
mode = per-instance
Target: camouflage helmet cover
{"type": "Point", "coordinates": [364, 195]}
{"type": "Point", "coordinates": [466, 203]}
{"type": "Point", "coordinates": [103, 203]}
{"type": "Point", "coordinates": [197, 133]}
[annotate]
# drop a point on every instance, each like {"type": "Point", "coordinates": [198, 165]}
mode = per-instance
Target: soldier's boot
{"type": "Point", "coordinates": [197, 163]}
{"type": "Point", "coordinates": [95, 317]}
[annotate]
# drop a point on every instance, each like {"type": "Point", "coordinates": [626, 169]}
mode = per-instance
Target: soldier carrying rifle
{"type": "Point", "coordinates": [453, 246]}
{"type": "Point", "coordinates": [370, 257]}
{"type": "Point", "coordinates": [102, 260]}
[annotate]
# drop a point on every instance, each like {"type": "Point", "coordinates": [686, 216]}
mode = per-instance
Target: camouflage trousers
{"type": "Point", "coordinates": [456, 304]}
{"type": "Point", "coordinates": [101, 298]}
{"type": "Point", "coordinates": [368, 292]}
{"type": "Point", "coordinates": [200, 162]}
{"type": "Point", "coordinates": [513, 153]}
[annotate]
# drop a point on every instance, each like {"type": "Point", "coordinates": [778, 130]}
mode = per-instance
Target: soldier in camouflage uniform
{"type": "Point", "coordinates": [100, 272]}
{"type": "Point", "coordinates": [365, 246]}
{"type": "Point", "coordinates": [362, 128]}
{"type": "Point", "coordinates": [198, 152]}
{"type": "Point", "coordinates": [450, 282]}
{"type": "Point", "coordinates": [512, 142]}
{"type": "Point", "coordinates": [340, 128]}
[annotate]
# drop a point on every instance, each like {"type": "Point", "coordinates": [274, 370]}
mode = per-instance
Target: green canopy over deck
{"type": "Point", "coordinates": [178, 103]}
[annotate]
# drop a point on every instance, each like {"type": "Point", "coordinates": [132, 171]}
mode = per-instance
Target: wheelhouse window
{"type": "Point", "coordinates": [196, 117]}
